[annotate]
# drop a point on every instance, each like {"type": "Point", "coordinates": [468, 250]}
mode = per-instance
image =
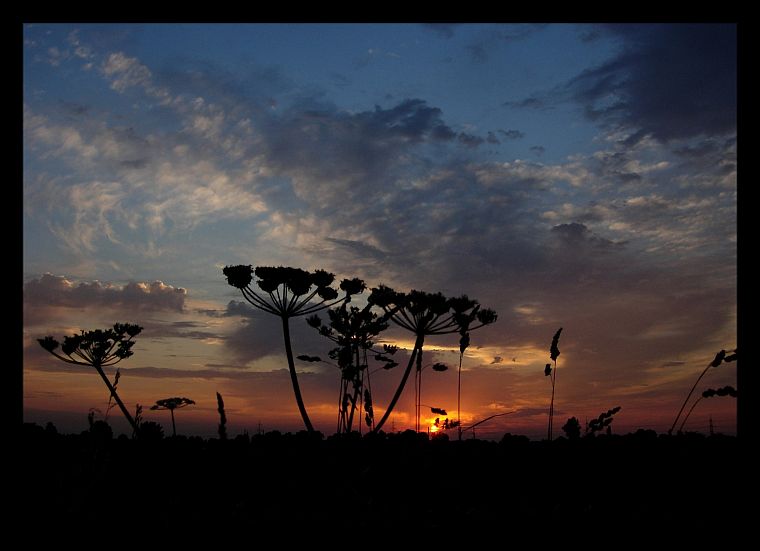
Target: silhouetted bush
{"type": "Point", "coordinates": [572, 428]}
{"type": "Point", "coordinates": [101, 431]}
{"type": "Point", "coordinates": [150, 431]}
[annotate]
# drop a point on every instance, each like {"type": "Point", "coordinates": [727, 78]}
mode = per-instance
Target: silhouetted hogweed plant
{"type": "Point", "coordinates": [709, 393]}
{"type": "Point", "coordinates": [111, 403]}
{"type": "Point", "coordinates": [98, 349]}
{"type": "Point", "coordinates": [720, 358]}
{"type": "Point", "coordinates": [288, 293]}
{"type": "Point", "coordinates": [552, 374]}
{"type": "Point", "coordinates": [171, 404]}
{"type": "Point", "coordinates": [437, 367]}
{"type": "Point", "coordinates": [222, 417]}
{"type": "Point", "coordinates": [425, 314]}
{"type": "Point", "coordinates": [604, 421]}
{"type": "Point", "coordinates": [138, 417]}
{"type": "Point", "coordinates": [354, 331]}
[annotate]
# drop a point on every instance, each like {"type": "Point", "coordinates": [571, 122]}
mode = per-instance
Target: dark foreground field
{"type": "Point", "coordinates": [302, 484]}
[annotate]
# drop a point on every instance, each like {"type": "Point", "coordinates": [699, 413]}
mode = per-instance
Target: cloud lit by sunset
{"type": "Point", "coordinates": [575, 176]}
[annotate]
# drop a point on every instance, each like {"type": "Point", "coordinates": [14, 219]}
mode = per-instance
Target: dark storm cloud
{"type": "Point", "coordinates": [495, 36]}
{"type": "Point", "coordinates": [73, 108]}
{"type": "Point", "coordinates": [538, 149]}
{"type": "Point", "coordinates": [669, 81]}
{"type": "Point", "coordinates": [411, 121]}
{"type": "Point", "coordinates": [161, 329]}
{"type": "Point", "coordinates": [528, 103]}
{"type": "Point", "coordinates": [512, 134]}
{"type": "Point", "coordinates": [445, 30]}
{"type": "Point", "coordinates": [576, 235]}
{"type": "Point", "coordinates": [359, 248]}
{"type": "Point", "coordinates": [260, 335]}
{"type": "Point", "coordinates": [478, 52]}
{"type": "Point", "coordinates": [51, 291]}
{"type": "Point", "coordinates": [349, 155]}
{"type": "Point", "coordinates": [469, 140]}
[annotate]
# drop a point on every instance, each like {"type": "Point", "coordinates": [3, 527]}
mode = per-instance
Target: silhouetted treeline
{"type": "Point", "coordinates": [393, 481]}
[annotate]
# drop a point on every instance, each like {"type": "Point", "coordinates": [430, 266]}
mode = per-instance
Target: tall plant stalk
{"type": "Point", "coordinates": [288, 293]}
{"type": "Point", "coordinates": [354, 331]}
{"type": "Point", "coordinates": [719, 358]}
{"type": "Point", "coordinates": [98, 349]}
{"type": "Point", "coordinates": [552, 374]}
{"type": "Point", "coordinates": [425, 314]}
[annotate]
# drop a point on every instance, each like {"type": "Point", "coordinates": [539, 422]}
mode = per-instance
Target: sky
{"type": "Point", "coordinates": [580, 176]}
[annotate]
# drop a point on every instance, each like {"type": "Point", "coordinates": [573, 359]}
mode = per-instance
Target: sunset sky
{"type": "Point", "coordinates": [565, 175]}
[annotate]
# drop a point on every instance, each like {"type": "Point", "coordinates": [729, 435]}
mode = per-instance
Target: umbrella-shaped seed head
{"type": "Point", "coordinates": [314, 321]}
{"type": "Point", "coordinates": [48, 343]}
{"type": "Point", "coordinates": [385, 297]}
{"type": "Point", "coordinates": [238, 276]}
{"type": "Point", "coordinates": [486, 316]}
{"type": "Point", "coordinates": [353, 286]}
{"type": "Point", "coordinates": [321, 278]}
{"type": "Point", "coordinates": [327, 293]}
{"type": "Point", "coordinates": [461, 304]}
{"type": "Point", "coordinates": [298, 281]}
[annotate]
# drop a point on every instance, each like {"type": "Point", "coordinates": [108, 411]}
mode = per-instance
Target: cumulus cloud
{"type": "Point", "coordinates": [619, 238]}
{"type": "Point", "coordinates": [126, 72]}
{"type": "Point", "coordinates": [57, 291]}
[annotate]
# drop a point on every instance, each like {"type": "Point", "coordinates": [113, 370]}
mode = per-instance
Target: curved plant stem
{"type": "Point", "coordinates": [551, 405]}
{"type": "Point", "coordinates": [417, 346]}
{"type": "Point", "coordinates": [294, 375]}
{"type": "Point", "coordinates": [459, 396]}
{"type": "Point", "coordinates": [680, 411]}
{"type": "Point", "coordinates": [680, 429]}
{"type": "Point", "coordinates": [123, 409]}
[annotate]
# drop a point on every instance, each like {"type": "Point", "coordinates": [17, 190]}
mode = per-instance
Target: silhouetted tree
{"type": "Point", "coordinates": [354, 330]}
{"type": "Point", "coordinates": [720, 357]}
{"type": "Point", "coordinates": [171, 404]}
{"type": "Point", "coordinates": [426, 314]}
{"type": "Point", "coordinates": [552, 374]}
{"type": "Point", "coordinates": [98, 349]}
{"type": "Point", "coordinates": [287, 293]}
{"type": "Point", "coordinates": [572, 428]}
{"type": "Point", "coordinates": [50, 429]}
